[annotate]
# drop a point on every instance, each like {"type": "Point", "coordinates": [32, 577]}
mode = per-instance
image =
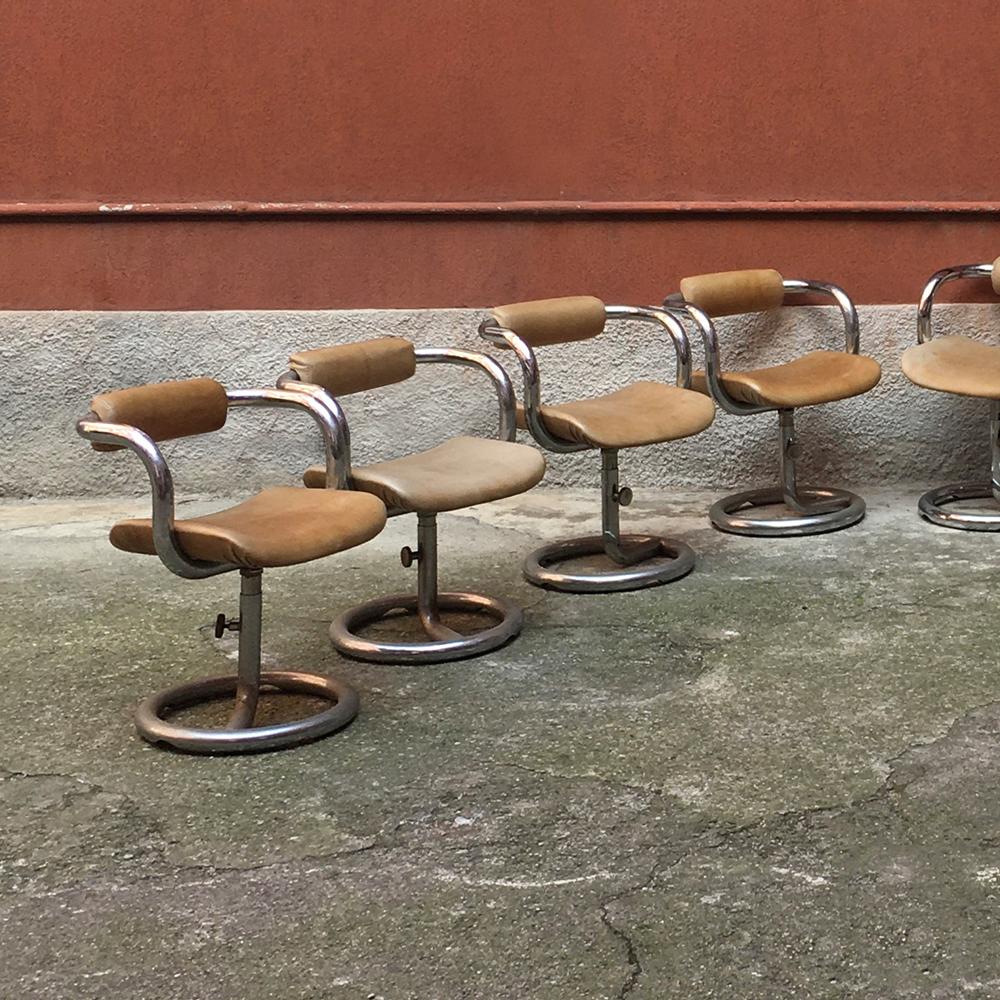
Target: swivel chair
{"type": "Point", "coordinates": [640, 414]}
{"type": "Point", "coordinates": [280, 526]}
{"type": "Point", "coordinates": [458, 473]}
{"type": "Point", "coordinates": [817, 377]}
{"type": "Point", "coordinates": [963, 367]}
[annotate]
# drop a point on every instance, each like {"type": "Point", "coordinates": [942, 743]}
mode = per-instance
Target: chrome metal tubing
{"type": "Point", "coordinates": [935, 507]}
{"type": "Point", "coordinates": [936, 280]}
{"type": "Point", "coordinates": [162, 488]}
{"type": "Point", "coordinates": [502, 337]}
{"type": "Point", "coordinates": [168, 549]}
{"type": "Point", "coordinates": [506, 400]}
{"type": "Point", "coordinates": [493, 333]}
{"type": "Point", "coordinates": [153, 727]}
{"type": "Point", "coordinates": [814, 510]}
{"type": "Point", "coordinates": [840, 509]}
{"type": "Point", "coordinates": [323, 408]}
{"type": "Point", "coordinates": [342, 446]}
{"type": "Point", "coordinates": [539, 567]}
{"type": "Point", "coordinates": [677, 306]}
{"type": "Point", "coordinates": [674, 328]}
{"type": "Point", "coordinates": [239, 735]}
{"type": "Point", "coordinates": [631, 555]}
{"type": "Point", "coordinates": [852, 329]}
{"type": "Point", "coordinates": [443, 643]}
{"type": "Point", "coordinates": [248, 664]}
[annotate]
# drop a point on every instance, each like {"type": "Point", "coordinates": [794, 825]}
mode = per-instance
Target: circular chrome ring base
{"type": "Point", "coordinates": [346, 640]}
{"type": "Point", "coordinates": [538, 567]}
{"type": "Point", "coordinates": [152, 726]}
{"type": "Point", "coordinates": [729, 513]}
{"type": "Point", "coordinates": [931, 507]}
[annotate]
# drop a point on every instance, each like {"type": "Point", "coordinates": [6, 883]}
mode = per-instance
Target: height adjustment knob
{"type": "Point", "coordinates": [623, 496]}
{"type": "Point", "coordinates": [407, 556]}
{"type": "Point", "coordinates": [224, 624]}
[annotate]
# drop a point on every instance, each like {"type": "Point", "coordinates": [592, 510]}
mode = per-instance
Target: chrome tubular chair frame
{"type": "Point", "coordinates": [443, 643]}
{"type": "Point", "coordinates": [815, 510]}
{"type": "Point", "coordinates": [632, 554]}
{"type": "Point", "coordinates": [239, 735]}
{"type": "Point", "coordinates": [933, 504]}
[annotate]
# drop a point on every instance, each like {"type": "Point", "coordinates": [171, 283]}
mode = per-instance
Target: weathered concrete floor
{"type": "Point", "coordinates": [775, 778]}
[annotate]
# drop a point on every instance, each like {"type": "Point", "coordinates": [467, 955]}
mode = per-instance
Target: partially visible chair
{"type": "Point", "coordinates": [458, 473]}
{"type": "Point", "coordinates": [280, 526]}
{"type": "Point", "coordinates": [962, 367]}
{"type": "Point", "coordinates": [813, 378]}
{"type": "Point", "coordinates": [639, 414]}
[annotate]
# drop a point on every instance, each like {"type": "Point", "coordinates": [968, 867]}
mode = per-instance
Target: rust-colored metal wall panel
{"type": "Point", "coordinates": [386, 263]}
{"type": "Point", "coordinates": [481, 101]}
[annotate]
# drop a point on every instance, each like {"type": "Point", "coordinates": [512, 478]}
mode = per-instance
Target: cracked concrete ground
{"type": "Point", "coordinates": [774, 778]}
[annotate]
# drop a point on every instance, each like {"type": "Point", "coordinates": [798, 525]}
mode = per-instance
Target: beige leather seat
{"type": "Point", "coordinates": [459, 473]}
{"type": "Point", "coordinates": [816, 377]}
{"type": "Point", "coordinates": [957, 365]}
{"type": "Point", "coordinates": [963, 367]}
{"type": "Point", "coordinates": [280, 526]}
{"type": "Point", "coordinates": [641, 413]}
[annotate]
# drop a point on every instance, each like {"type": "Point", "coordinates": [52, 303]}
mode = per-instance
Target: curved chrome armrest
{"type": "Point", "coordinates": [323, 408]}
{"type": "Point", "coordinates": [493, 333]}
{"type": "Point", "coordinates": [162, 486]}
{"type": "Point", "coordinates": [852, 332]}
{"type": "Point", "coordinates": [677, 306]}
{"type": "Point", "coordinates": [936, 280]}
{"type": "Point", "coordinates": [507, 428]}
{"type": "Point", "coordinates": [673, 326]}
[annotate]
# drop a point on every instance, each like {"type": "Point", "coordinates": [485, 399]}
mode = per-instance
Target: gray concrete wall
{"type": "Point", "coordinates": [51, 363]}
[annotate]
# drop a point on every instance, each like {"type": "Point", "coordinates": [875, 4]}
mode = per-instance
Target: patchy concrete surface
{"type": "Point", "coordinates": [774, 778]}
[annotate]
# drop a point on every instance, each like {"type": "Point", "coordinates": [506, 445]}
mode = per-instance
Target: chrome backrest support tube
{"type": "Point", "coordinates": [507, 428]}
{"type": "Point", "coordinates": [936, 280]}
{"type": "Point", "coordinates": [673, 326]}
{"type": "Point", "coordinates": [852, 331]}
{"type": "Point", "coordinates": [492, 332]}
{"type": "Point", "coordinates": [162, 487]}
{"type": "Point", "coordinates": [322, 407]}
{"type": "Point", "coordinates": [677, 306]}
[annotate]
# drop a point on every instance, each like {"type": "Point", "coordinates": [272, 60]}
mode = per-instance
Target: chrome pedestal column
{"type": "Point", "coordinates": [932, 505]}
{"type": "Point", "coordinates": [632, 555]}
{"type": "Point", "coordinates": [443, 643]}
{"type": "Point", "coordinates": [240, 735]}
{"type": "Point", "coordinates": [810, 510]}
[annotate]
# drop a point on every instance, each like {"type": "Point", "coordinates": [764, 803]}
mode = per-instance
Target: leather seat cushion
{"type": "Point", "coordinates": [817, 377]}
{"type": "Point", "coordinates": [641, 413]}
{"type": "Point", "coordinates": [280, 526]}
{"type": "Point", "coordinates": [955, 364]}
{"type": "Point", "coordinates": [461, 472]}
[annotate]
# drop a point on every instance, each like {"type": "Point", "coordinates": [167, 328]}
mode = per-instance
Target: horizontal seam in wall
{"type": "Point", "coordinates": [133, 209]}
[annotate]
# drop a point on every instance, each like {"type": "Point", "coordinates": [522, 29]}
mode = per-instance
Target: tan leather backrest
{"type": "Point", "coordinates": [553, 321]}
{"type": "Point", "coordinates": [349, 368]}
{"type": "Point", "coordinates": [996, 276]}
{"type": "Point", "coordinates": [729, 292]}
{"type": "Point", "coordinates": [165, 410]}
